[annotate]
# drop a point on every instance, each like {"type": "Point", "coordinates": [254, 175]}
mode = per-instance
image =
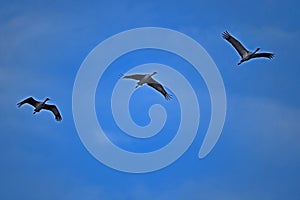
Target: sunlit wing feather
{"type": "Point", "coordinates": [135, 76]}
{"type": "Point", "coordinates": [151, 80]}
{"type": "Point", "coordinates": [157, 86]}
{"type": "Point", "coordinates": [54, 110]}
{"type": "Point", "coordinates": [235, 43]}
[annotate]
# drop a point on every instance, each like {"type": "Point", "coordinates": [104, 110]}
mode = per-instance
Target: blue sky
{"type": "Point", "coordinates": [42, 46]}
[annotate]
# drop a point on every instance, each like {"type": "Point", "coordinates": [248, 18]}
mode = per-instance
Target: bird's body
{"type": "Point", "coordinates": [243, 52]}
{"type": "Point", "coordinates": [147, 79]}
{"type": "Point", "coordinates": [39, 105]}
{"type": "Point", "coordinates": [143, 78]}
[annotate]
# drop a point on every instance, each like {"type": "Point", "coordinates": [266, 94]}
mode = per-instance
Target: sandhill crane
{"type": "Point", "coordinates": [39, 105]}
{"type": "Point", "coordinates": [147, 79]}
{"type": "Point", "coordinates": [244, 53]}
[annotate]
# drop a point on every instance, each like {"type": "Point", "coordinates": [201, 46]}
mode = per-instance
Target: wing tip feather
{"type": "Point", "coordinates": [226, 35]}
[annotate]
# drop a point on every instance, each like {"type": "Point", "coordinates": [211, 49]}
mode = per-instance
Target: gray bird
{"type": "Point", "coordinates": [147, 79]}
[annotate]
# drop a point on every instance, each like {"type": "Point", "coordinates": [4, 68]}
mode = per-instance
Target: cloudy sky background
{"type": "Point", "coordinates": [42, 45]}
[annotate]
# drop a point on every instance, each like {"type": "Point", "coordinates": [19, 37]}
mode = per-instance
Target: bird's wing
{"type": "Point", "coordinates": [151, 80]}
{"type": "Point", "coordinates": [265, 55]}
{"type": "Point", "coordinates": [235, 43]}
{"type": "Point", "coordinates": [54, 110]}
{"type": "Point", "coordinates": [159, 88]}
{"type": "Point", "coordinates": [135, 76]}
{"type": "Point", "coordinates": [29, 100]}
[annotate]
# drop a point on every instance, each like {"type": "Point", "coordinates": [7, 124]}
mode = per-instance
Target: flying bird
{"type": "Point", "coordinates": [39, 105]}
{"type": "Point", "coordinates": [244, 53]}
{"type": "Point", "coordinates": [147, 79]}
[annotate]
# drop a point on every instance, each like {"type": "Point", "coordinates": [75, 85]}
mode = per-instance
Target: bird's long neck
{"type": "Point", "coordinates": [45, 101]}
{"type": "Point", "coordinates": [256, 50]}
{"type": "Point", "coordinates": [152, 74]}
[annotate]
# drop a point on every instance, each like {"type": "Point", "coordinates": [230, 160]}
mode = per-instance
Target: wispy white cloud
{"type": "Point", "coordinates": [272, 126]}
{"type": "Point", "coordinates": [273, 36]}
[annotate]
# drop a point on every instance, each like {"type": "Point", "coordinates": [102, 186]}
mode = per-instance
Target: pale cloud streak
{"type": "Point", "coordinates": [272, 126]}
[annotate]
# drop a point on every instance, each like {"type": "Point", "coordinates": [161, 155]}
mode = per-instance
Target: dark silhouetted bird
{"type": "Point", "coordinates": [38, 105]}
{"type": "Point", "coordinates": [244, 53]}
